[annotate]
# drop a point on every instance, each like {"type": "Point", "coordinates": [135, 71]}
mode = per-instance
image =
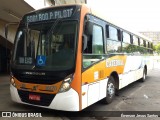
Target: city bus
{"type": "Point", "coordinates": [68, 58]}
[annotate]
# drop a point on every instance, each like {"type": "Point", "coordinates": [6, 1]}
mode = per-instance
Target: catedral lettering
{"type": "Point", "coordinates": [114, 63]}
{"type": "Point", "coordinates": [50, 15]}
{"type": "Point", "coordinates": [71, 55]}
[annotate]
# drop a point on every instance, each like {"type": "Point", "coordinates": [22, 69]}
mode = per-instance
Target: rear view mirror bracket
{"type": "Point", "coordinates": [6, 28]}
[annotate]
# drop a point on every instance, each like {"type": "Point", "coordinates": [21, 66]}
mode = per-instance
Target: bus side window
{"type": "Point", "coordinates": [95, 40]}
{"type": "Point", "coordinates": [113, 40]}
{"type": "Point", "coordinates": [97, 45]}
{"type": "Point", "coordinates": [135, 40]}
{"type": "Point", "coordinates": [94, 48]}
{"type": "Point", "coordinates": [127, 47]}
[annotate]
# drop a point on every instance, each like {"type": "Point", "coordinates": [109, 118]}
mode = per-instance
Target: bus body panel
{"type": "Point", "coordinates": [14, 94]}
{"type": "Point", "coordinates": [103, 69]}
{"type": "Point", "coordinates": [95, 78]}
{"type": "Point", "coordinates": [93, 92]}
{"type": "Point", "coordinates": [67, 101]}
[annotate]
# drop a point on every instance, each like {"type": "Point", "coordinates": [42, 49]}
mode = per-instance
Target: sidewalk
{"type": "Point", "coordinates": [4, 78]}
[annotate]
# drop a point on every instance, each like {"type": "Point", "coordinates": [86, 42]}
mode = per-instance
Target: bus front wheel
{"type": "Point", "coordinates": [110, 93]}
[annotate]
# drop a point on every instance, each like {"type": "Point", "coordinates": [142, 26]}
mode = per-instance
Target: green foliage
{"type": "Point", "coordinates": [158, 48]}
{"type": "Point", "coordinates": [154, 47]}
{"type": "Point", "coordinates": [133, 48]}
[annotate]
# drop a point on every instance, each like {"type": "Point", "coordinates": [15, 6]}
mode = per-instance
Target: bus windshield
{"type": "Point", "coordinates": [49, 46]}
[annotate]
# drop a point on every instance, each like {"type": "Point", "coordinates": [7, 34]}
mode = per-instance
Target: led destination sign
{"type": "Point", "coordinates": [49, 15]}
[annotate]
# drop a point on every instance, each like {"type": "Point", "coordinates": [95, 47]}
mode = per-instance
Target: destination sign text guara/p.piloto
{"type": "Point", "coordinates": [49, 15]}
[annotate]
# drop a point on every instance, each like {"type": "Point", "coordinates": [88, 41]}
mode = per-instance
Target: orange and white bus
{"type": "Point", "coordinates": [67, 58]}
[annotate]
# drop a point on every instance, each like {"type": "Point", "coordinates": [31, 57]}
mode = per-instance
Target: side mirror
{"type": "Point", "coordinates": [84, 41]}
{"type": "Point", "coordinates": [89, 28]}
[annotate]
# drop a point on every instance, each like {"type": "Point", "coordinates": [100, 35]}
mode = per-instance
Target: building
{"type": "Point", "coordinates": [155, 36]}
{"type": "Point", "coordinates": [9, 12]}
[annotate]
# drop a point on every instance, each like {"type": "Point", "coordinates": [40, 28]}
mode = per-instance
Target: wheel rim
{"type": "Point", "coordinates": [111, 90]}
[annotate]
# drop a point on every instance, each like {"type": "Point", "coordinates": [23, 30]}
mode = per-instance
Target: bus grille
{"type": "Point", "coordinates": [46, 99]}
{"type": "Point", "coordinates": [38, 79]}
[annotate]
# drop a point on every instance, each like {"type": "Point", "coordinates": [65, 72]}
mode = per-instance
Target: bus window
{"type": "Point", "coordinates": [141, 43]}
{"type": "Point", "coordinates": [94, 48]}
{"type": "Point", "coordinates": [95, 40]}
{"type": "Point", "coordinates": [113, 33]}
{"type": "Point", "coordinates": [126, 37]}
{"type": "Point", "coordinates": [26, 45]}
{"type": "Point", "coordinates": [127, 47]}
{"type": "Point", "coordinates": [113, 45]}
{"type": "Point", "coordinates": [135, 40]}
{"type": "Point", "coordinates": [97, 46]}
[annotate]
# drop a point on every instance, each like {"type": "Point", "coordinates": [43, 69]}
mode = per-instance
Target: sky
{"type": "Point", "coordinates": [137, 15]}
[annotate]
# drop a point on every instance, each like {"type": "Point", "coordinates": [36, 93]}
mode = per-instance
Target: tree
{"type": "Point", "coordinates": [158, 48]}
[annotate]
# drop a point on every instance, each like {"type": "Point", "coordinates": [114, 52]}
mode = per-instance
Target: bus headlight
{"type": "Point", "coordinates": [66, 85]}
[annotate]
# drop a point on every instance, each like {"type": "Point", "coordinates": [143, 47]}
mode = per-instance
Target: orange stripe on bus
{"type": "Point", "coordinates": [76, 83]}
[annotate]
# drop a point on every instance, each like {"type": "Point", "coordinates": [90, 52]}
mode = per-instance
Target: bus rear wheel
{"type": "Point", "coordinates": [144, 75]}
{"type": "Point", "coordinates": [110, 93]}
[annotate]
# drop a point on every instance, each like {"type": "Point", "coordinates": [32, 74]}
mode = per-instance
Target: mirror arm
{"type": "Point", "coordinates": [6, 27]}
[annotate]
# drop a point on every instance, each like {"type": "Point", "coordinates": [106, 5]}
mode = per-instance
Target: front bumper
{"type": "Point", "coordinates": [66, 101]}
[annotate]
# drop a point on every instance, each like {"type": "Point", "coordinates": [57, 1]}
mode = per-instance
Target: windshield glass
{"type": "Point", "coordinates": [48, 46]}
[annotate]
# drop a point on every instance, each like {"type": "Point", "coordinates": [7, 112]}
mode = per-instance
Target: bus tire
{"type": "Point", "coordinates": [144, 75]}
{"type": "Point", "coordinates": [110, 91]}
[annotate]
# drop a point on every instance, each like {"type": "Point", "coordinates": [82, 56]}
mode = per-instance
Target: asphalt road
{"type": "Point", "coordinates": [138, 96]}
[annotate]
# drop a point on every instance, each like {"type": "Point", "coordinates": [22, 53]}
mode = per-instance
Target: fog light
{"type": "Point", "coordinates": [13, 82]}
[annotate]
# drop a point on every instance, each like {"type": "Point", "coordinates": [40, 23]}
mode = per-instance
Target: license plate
{"type": "Point", "coordinates": [34, 97]}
